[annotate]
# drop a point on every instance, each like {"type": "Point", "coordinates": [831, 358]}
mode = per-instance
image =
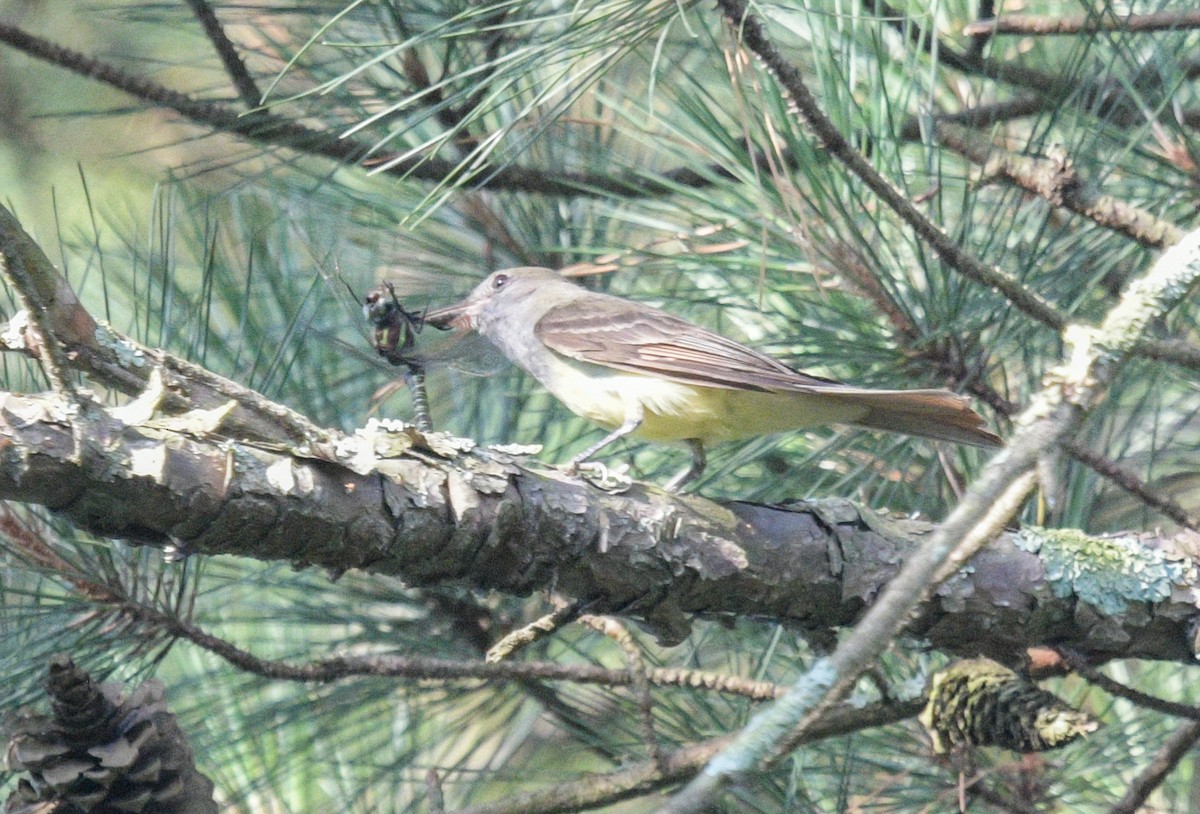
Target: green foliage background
{"type": "Point", "coordinates": [220, 250]}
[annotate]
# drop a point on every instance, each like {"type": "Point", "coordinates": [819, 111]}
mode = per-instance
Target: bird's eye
{"type": "Point", "coordinates": [498, 281]}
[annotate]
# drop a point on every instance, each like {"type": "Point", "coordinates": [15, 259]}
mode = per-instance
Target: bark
{"type": "Point", "coordinates": [434, 510]}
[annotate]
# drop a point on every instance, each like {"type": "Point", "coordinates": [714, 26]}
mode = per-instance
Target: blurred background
{"type": "Point", "coordinates": [637, 145]}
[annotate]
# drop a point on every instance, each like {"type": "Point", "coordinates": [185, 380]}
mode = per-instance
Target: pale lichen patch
{"type": "Point", "coordinates": [1106, 572]}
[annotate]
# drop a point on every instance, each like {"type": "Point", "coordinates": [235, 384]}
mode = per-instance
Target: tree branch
{"type": "Point", "coordinates": [1165, 761]}
{"type": "Point", "coordinates": [1056, 181]}
{"type": "Point", "coordinates": [247, 88]}
{"type": "Point", "coordinates": [1093, 676]}
{"type": "Point", "coordinates": [1036, 25]}
{"type": "Point", "coordinates": [644, 778]}
{"type": "Point", "coordinates": [262, 127]}
{"type": "Point", "coordinates": [434, 514]}
{"type": "Point", "coordinates": [424, 668]}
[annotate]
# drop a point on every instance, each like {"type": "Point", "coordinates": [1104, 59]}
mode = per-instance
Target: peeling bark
{"type": "Point", "coordinates": [433, 510]}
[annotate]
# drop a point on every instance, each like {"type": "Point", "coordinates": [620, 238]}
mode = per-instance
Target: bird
{"type": "Point", "coordinates": [640, 371]}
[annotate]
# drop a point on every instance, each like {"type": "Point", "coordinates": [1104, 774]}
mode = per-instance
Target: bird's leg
{"type": "Point", "coordinates": [699, 461]}
{"type": "Point", "coordinates": [632, 422]}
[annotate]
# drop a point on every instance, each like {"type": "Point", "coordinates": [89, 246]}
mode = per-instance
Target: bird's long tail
{"type": "Point", "coordinates": [937, 414]}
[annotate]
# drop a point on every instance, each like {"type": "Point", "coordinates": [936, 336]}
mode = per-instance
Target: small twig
{"type": "Point", "coordinates": [1134, 485]}
{"type": "Point", "coordinates": [495, 26]}
{"type": "Point", "coordinates": [431, 95]}
{"type": "Point", "coordinates": [1080, 665]}
{"type": "Point", "coordinates": [1177, 746]}
{"type": "Point", "coordinates": [980, 116]}
{"type": "Point", "coordinates": [534, 631]}
{"type": "Point", "coordinates": [234, 66]}
{"type": "Point", "coordinates": [640, 684]}
{"type": "Point", "coordinates": [986, 10]}
{"type": "Point", "coordinates": [639, 779]}
{"type": "Point", "coordinates": [1175, 351]}
{"type": "Point", "coordinates": [1057, 182]}
{"type": "Point", "coordinates": [339, 667]}
{"type": "Point", "coordinates": [433, 792]}
{"type": "Point", "coordinates": [48, 350]}
{"type": "Point", "coordinates": [922, 38]}
{"type": "Point", "coordinates": [1037, 25]}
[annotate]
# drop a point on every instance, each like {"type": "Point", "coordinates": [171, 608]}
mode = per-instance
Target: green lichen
{"type": "Point", "coordinates": [128, 354]}
{"type": "Point", "coordinates": [1106, 572]}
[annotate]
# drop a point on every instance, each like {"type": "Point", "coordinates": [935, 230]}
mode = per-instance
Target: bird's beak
{"type": "Point", "coordinates": [460, 315]}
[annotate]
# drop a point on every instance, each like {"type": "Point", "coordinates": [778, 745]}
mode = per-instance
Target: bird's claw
{"type": "Point", "coordinates": [600, 476]}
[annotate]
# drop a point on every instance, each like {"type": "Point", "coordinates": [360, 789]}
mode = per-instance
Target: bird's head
{"type": "Point", "coordinates": [507, 294]}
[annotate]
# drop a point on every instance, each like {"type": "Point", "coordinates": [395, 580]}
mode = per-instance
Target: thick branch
{"type": "Point", "coordinates": [445, 516]}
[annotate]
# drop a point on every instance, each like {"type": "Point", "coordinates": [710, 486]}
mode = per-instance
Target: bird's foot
{"type": "Point", "coordinates": [598, 475]}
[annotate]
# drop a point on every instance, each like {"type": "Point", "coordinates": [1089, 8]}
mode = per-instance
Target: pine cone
{"type": "Point", "coordinates": [980, 702]}
{"type": "Point", "coordinates": [101, 752]}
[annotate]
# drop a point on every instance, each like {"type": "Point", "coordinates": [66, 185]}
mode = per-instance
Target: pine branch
{"type": "Point", "coordinates": [980, 116]}
{"type": "Point", "coordinates": [170, 482]}
{"type": "Point", "coordinates": [639, 779]}
{"type": "Point", "coordinates": [1131, 483]}
{"type": "Point", "coordinates": [1165, 760]}
{"type": "Point", "coordinates": [1056, 180]}
{"type": "Point", "coordinates": [1039, 25]}
{"type": "Point", "coordinates": [417, 668]}
{"type": "Point", "coordinates": [266, 128]}
{"type": "Point", "coordinates": [1080, 665]}
{"type": "Point", "coordinates": [247, 88]}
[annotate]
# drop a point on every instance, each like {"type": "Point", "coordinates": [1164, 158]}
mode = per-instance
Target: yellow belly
{"type": "Point", "coordinates": [673, 411]}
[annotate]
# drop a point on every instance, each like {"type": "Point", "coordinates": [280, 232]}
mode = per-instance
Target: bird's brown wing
{"type": "Point", "coordinates": [625, 335]}
{"type": "Point", "coordinates": [638, 338]}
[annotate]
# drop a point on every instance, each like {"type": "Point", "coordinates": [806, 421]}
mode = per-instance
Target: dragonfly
{"type": "Point", "coordinates": [396, 330]}
{"type": "Point", "coordinates": [391, 329]}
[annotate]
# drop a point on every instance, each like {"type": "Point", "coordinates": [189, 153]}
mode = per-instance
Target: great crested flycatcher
{"type": "Point", "coordinates": [638, 370]}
